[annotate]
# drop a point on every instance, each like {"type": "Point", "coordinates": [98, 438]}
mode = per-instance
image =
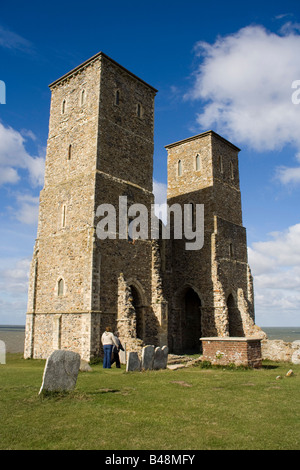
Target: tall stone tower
{"type": "Point", "coordinates": [100, 147]}
{"type": "Point", "coordinates": [154, 291]}
{"type": "Point", "coordinates": [210, 290]}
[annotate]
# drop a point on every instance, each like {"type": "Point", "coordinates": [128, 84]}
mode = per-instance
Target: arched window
{"type": "Point", "coordinates": [70, 152]}
{"type": "Point", "coordinates": [82, 97]}
{"type": "Point", "coordinates": [198, 162]}
{"type": "Point", "coordinates": [63, 107]}
{"type": "Point", "coordinates": [60, 287]}
{"type": "Point", "coordinates": [179, 168]}
{"type": "Point", "coordinates": [117, 98]}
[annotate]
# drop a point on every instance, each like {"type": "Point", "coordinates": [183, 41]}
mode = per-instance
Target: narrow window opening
{"type": "Point", "coordinates": [231, 171]}
{"type": "Point", "coordinates": [221, 164]}
{"type": "Point", "coordinates": [139, 110]}
{"type": "Point", "coordinates": [82, 98]}
{"type": "Point", "coordinates": [64, 213]}
{"type": "Point", "coordinates": [230, 250]}
{"type": "Point", "coordinates": [179, 167]}
{"type": "Point", "coordinates": [60, 287]}
{"type": "Point", "coordinates": [197, 162]}
{"type": "Point", "coordinates": [70, 152]}
{"type": "Point", "coordinates": [63, 107]}
{"type": "Point", "coordinates": [117, 100]}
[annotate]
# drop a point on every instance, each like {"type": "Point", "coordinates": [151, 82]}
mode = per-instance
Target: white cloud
{"type": "Point", "coordinates": [14, 276]}
{"type": "Point", "coordinates": [275, 266]}
{"type": "Point", "coordinates": [8, 175]}
{"type": "Point", "coordinates": [27, 210]}
{"type": "Point", "coordinates": [245, 82]}
{"type": "Point", "coordinates": [11, 40]}
{"type": "Point", "coordinates": [288, 175]}
{"type": "Point", "coordinates": [14, 156]}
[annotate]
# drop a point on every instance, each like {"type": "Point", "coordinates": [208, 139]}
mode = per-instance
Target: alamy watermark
{"type": "Point", "coordinates": [296, 93]}
{"type": "Point", "coordinates": [135, 222]}
{"type": "Point", "coordinates": [2, 92]}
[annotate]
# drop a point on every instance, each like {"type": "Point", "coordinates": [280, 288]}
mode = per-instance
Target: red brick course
{"type": "Point", "coordinates": [232, 350]}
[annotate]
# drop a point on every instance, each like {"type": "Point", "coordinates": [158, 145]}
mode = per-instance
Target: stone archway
{"type": "Point", "coordinates": [191, 322]}
{"type": "Point", "coordinates": [186, 329]}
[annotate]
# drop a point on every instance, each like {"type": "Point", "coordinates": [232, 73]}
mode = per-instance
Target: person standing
{"type": "Point", "coordinates": [108, 341]}
{"type": "Point", "coordinates": [116, 350]}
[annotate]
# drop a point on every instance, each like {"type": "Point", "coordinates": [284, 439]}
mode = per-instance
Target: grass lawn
{"type": "Point", "coordinates": [187, 409]}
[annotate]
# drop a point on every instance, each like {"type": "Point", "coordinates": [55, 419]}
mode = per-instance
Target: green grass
{"type": "Point", "coordinates": [187, 409]}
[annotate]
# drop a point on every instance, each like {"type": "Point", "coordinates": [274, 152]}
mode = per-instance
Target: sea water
{"type": "Point", "coordinates": [14, 335]}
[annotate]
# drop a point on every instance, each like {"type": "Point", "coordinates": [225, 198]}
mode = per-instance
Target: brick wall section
{"type": "Point", "coordinates": [238, 351]}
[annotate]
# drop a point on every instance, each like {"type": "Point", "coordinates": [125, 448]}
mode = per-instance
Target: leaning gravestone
{"type": "Point", "coordinates": [160, 358]}
{"type": "Point", "coordinates": [148, 357]}
{"type": "Point", "coordinates": [133, 362]}
{"type": "Point", "coordinates": [61, 371]}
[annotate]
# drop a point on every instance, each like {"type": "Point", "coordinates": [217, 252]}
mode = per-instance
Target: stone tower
{"type": "Point", "coordinates": [100, 147]}
{"type": "Point", "coordinates": [210, 290]}
{"type": "Point", "coordinates": [154, 291]}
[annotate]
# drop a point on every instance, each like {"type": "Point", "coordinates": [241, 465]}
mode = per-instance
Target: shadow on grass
{"type": "Point", "coordinates": [269, 366]}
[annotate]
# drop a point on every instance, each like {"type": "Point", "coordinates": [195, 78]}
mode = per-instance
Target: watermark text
{"type": "Point", "coordinates": [135, 222]}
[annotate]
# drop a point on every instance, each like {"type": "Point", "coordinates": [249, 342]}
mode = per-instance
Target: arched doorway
{"type": "Point", "coordinates": [191, 322]}
{"type": "Point", "coordinates": [234, 318]}
{"type": "Point", "coordinates": [137, 303]}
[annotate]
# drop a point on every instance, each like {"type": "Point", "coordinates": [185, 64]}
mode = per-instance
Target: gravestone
{"type": "Point", "coordinates": [84, 366]}
{"type": "Point", "coordinates": [2, 353]}
{"type": "Point", "coordinates": [61, 371]}
{"type": "Point", "coordinates": [160, 358]}
{"type": "Point", "coordinates": [296, 357]}
{"type": "Point", "coordinates": [148, 357]}
{"type": "Point", "coordinates": [133, 362]}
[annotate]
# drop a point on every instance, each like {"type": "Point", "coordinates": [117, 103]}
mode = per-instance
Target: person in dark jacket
{"type": "Point", "coordinates": [116, 349]}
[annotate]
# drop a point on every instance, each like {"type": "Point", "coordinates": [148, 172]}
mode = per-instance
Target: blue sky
{"type": "Point", "coordinates": [227, 66]}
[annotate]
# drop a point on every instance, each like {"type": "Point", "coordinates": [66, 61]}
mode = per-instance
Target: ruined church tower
{"type": "Point", "coordinates": [100, 147]}
{"type": "Point", "coordinates": [153, 291]}
{"type": "Point", "coordinates": [211, 291]}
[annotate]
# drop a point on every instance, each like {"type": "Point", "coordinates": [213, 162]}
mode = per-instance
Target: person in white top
{"type": "Point", "coordinates": [108, 341]}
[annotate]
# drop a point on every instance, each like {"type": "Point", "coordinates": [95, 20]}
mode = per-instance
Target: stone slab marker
{"type": "Point", "coordinates": [160, 358]}
{"type": "Point", "coordinates": [148, 357]}
{"type": "Point", "coordinates": [61, 371]}
{"type": "Point", "coordinates": [133, 362]}
{"type": "Point", "coordinates": [2, 353]}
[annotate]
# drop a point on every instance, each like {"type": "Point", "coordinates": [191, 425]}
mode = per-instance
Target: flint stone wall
{"type": "Point", "coordinates": [278, 350]}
